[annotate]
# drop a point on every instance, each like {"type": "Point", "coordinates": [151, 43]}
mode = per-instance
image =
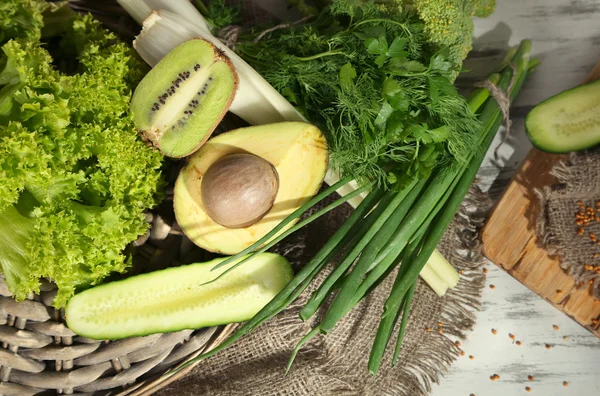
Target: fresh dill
{"type": "Point", "coordinates": [368, 77]}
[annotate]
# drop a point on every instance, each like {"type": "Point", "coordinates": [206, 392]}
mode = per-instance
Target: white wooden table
{"type": "Point", "coordinates": [566, 36]}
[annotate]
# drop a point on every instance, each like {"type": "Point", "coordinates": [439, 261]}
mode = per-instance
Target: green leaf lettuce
{"type": "Point", "coordinates": [75, 178]}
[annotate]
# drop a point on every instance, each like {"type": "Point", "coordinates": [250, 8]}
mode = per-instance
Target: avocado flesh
{"type": "Point", "coordinates": [297, 150]}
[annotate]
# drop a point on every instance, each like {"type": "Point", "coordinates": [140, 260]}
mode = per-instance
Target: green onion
{"type": "Point", "coordinates": [391, 311]}
{"type": "Point", "coordinates": [399, 204]}
{"type": "Point", "coordinates": [406, 303]}
{"type": "Point", "coordinates": [491, 117]}
{"type": "Point", "coordinates": [407, 222]}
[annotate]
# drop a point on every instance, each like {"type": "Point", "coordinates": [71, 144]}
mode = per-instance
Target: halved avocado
{"type": "Point", "coordinates": [297, 150]}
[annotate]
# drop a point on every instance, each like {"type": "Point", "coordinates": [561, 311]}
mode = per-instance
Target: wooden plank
{"type": "Point", "coordinates": [509, 240]}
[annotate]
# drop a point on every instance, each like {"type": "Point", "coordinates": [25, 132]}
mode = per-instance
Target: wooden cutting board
{"type": "Point", "coordinates": [509, 240]}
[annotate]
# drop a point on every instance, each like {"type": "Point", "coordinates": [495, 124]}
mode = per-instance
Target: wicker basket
{"type": "Point", "coordinates": [41, 355]}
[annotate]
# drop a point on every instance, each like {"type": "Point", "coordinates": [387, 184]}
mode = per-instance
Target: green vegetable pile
{"type": "Point", "coordinates": [383, 92]}
{"type": "Point", "coordinates": [369, 76]}
{"type": "Point", "coordinates": [75, 179]}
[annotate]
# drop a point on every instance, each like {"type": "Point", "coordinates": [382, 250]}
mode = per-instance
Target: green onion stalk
{"type": "Point", "coordinates": [391, 230]}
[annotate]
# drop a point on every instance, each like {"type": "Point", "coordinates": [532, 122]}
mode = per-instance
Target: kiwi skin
{"type": "Point", "coordinates": [142, 106]}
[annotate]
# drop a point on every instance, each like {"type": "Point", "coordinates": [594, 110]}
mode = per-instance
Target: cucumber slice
{"type": "Point", "coordinates": [569, 121]}
{"type": "Point", "coordinates": [173, 300]}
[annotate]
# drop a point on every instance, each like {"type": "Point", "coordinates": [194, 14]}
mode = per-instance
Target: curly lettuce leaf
{"type": "Point", "coordinates": [75, 178]}
{"type": "Point", "coordinates": [21, 18]}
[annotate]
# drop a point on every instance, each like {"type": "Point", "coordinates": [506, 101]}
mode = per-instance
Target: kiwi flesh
{"type": "Point", "coordinates": [183, 98]}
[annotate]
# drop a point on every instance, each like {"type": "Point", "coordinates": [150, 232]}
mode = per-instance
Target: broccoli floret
{"type": "Point", "coordinates": [484, 8]}
{"type": "Point", "coordinates": [450, 23]}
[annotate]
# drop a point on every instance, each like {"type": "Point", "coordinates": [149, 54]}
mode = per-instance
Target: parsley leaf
{"type": "Point", "coordinates": [367, 76]}
{"type": "Point", "coordinates": [347, 76]}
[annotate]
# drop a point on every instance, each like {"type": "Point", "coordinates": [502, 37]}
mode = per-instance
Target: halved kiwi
{"type": "Point", "coordinates": [183, 98]}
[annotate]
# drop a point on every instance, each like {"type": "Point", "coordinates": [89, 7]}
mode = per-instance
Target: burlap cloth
{"type": "Point", "coordinates": [337, 364]}
{"type": "Point", "coordinates": [577, 180]}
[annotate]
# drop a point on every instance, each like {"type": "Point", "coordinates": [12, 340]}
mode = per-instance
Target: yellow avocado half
{"type": "Point", "coordinates": [297, 150]}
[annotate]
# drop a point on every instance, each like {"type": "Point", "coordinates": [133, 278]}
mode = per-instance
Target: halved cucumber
{"type": "Point", "coordinates": [569, 121]}
{"type": "Point", "coordinates": [173, 299]}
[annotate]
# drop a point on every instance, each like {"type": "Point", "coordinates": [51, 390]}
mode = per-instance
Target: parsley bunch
{"type": "Point", "coordinates": [367, 76]}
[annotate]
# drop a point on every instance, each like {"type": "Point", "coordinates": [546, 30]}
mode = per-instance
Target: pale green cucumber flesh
{"type": "Point", "coordinates": [176, 298]}
{"type": "Point", "coordinates": [569, 121]}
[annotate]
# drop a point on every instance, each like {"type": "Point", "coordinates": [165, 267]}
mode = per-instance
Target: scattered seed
{"type": "Point", "coordinates": [472, 394]}
{"type": "Point", "coordinates": [485, 270]}
{"type": "Point", "coordinates": [462, 272]}
{"type": "Point", "coordinates": [441, 331]}
{"type": "Point", "coordinates": [580, 231]}
{"type": "Point", "coordinates": [440, 324]}
{"type": "Point", "coordinates": [511, 336]}
{"type": "Point", "coordinates": [471, 357]}
{"type": "Point", "coordinates": [495, 377]}
{"type": "Point", "coordinates": [458, 344]}
{"type": "Point", "coordinates": [462, 353]}
{"type": "Point", "coordinates": [566, 338]}
{"type": "Point", "coordinates": [518, 343]}
{"type": "Point", "coordinates": [548, 346]}
{"type": "Point", "coordinates": [565, 383]}
{"type": "Point", "coordinates": [494, 331]}
{"type": "Point", "coordinates": [492, 287]}
{"type": "Point", "coordinates": [428, 329]}
{"type": "Point", "coordinates": [555, 327]}
{"type": "Point", "coordinates": [530, 377]}
{"type": "Point", "coordinates": [528, 389]}
{"type": "Point", "coordinates": [558, 291]}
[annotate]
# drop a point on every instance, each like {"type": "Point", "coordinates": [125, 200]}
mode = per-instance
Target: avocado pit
{"type": "Point", "coordinates": [239, 189]}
